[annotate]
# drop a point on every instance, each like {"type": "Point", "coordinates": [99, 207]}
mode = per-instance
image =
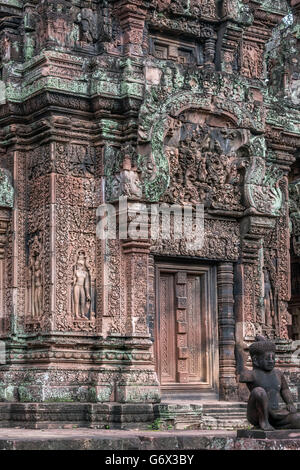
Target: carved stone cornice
{"type": "Point", "coordinates": [253, 230]}
{"type": "Point", "coordinates": [130, 12]}
{"type": "Point", "coordinates": [11, 7]}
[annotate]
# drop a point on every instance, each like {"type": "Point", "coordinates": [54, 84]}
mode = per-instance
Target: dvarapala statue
{"type": "Point", "coordinates": [266, 385]}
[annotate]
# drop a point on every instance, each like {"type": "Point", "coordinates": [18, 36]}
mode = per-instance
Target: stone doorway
{"type": "Point", "coordinates": [186, 330]}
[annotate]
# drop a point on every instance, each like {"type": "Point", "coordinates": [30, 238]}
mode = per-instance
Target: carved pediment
{"type": "Point", "coordinates": [206, 164]}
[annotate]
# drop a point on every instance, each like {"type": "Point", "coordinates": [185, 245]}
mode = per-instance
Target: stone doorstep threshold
{"type": "Point", "coordinates": [117, 440]}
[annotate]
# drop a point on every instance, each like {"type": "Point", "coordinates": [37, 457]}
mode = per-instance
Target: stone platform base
{"type": "Point", "coordinates": [111, 440]}
{"type": "Point", "coordinates": [162, 416]}
{"type": "Point", "coordinates": [202, 415]}
{"type": "Point", "coordinates": [276, 434]}
{"type": "Point", "coordinates": [67, 415]}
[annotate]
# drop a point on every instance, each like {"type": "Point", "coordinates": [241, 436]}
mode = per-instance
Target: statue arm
{"type": "Point", "coordinates": [246, 375]}
{"type": "Point", "coordinates": [87, 287]}
{"type": "Point", "coordinates": [286, 395]}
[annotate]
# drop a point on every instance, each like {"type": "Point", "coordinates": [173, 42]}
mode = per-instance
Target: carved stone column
{"type": "Point", "coordinates": [138, 379]}
{"type": "Point", "coordinates": [228, 385]}
{"type": "Point", "coordinates": [6, 204]}
{"type": "Point", "coordinates": [294, 304]}
{"type": "Point", "coordinates": [132, 18]}
{"type": "Point", "coordinates": [4, 220]}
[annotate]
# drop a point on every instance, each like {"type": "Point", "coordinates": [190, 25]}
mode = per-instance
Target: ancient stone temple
{"type": "Point", "coordinates": [113, 112]}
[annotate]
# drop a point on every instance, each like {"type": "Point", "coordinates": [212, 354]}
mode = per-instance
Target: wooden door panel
{"type": "Point", "coordinates": [185, 342]}
{"type": "Point", "coordinates": [196, 329]}
{"type": "Point", "coordinates": [167, 328]}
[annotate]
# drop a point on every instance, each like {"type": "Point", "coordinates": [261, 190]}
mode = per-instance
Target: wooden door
{"type": "Point", "coordinates": [186, 328]}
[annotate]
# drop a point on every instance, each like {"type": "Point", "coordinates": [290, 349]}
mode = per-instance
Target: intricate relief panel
{"type": "Point", "coordinates": [221, 241]}
{"type": "Point", "coordinates": [205, 165]}
{"type": "Point", "coordinates": [252, 60]}
{"type": "Point", "coordinates": [6, 204]}
{"type": "Point", "coordinates": [76, 160]}
{"type": "Point", "coordinates": [121, 175]}
{"type": "Point", "coordinates": [6, 189]}
{"type": "Point", "coordinates": [38, 196]}
{"type": "Point", "coordinates": [263, 182]}
{"type": "Point", "coordinates": [202, 8]}
{"type": "Point", "coordinates": [69, 159]}
{"type": "Point", "coordinates": [137, 279]}
{"type": "Point", "coordinates": [112, 294]}
{"type": "Point", "coordinates": [76, 191]}
{"type": "Point", "coordinates": [39, 162]}
{"type": "Point", "coordinates": [294, 200]}
{"type": "Point", "coordinates": [231, 104]}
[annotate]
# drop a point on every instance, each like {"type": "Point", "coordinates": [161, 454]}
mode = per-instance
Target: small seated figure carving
{"type": "Point", "coordinates": [266, 385]}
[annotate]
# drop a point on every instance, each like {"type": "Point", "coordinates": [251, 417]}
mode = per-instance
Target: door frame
{"type": "Point", "coordinates": [210, 271]}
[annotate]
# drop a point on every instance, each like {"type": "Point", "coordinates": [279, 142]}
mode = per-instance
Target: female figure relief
{"type": "Point", "coordinates": [81, 287]}
{"type": "Point", "coordinates": [36, 285]}
{"type": "Point", "coordinates": [37, 279]}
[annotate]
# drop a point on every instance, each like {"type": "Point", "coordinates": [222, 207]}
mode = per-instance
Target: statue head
{"type": "Point", "coordinates": [81, 261]}
{"type": "Point", "coordinates": [262, 353]}
{"type": "Point", "coordinates": [37, 263]}
{"type": "Point", "coordinates": [80, 264]}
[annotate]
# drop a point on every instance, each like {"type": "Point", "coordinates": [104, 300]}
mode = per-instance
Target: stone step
{"type": "Point", "coordinates": [116, 440]}
{"type": "Point", "coordinates": [211, 415]}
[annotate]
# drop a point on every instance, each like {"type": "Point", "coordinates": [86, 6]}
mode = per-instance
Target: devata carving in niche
{"type": "Point", "coordinates": [87, 26]}
{"type": "Point", "coordinates": [36, 278]}
{"type": "Point", "coordinates": [269, 300]}
{"type": "Point", "coordinates": [81, 298]}
{"type": "Point", "coordinates": [122, 177]}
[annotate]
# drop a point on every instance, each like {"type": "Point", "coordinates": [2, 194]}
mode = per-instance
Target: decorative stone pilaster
{"type": "Point", "coordinates": [228, 385]}
{"type": "Point", "coordinates": [6, 204]}
{"type": "Point", "coordinates": [4, 220]}
{"type": "Point", "coordinates": [138, 380]}
{"type": "Point", "coordinates": [132, 16]}
{"type": "Point", "coordinates": [294, 202]}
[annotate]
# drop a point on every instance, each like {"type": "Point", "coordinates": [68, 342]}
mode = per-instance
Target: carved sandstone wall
{"type": "Point", "coordinates": [166, 101]}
